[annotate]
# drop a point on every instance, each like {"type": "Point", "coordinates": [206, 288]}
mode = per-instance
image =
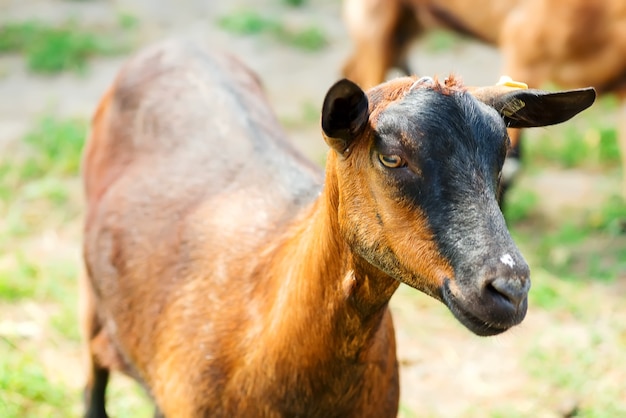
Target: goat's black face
{"type": "Point", "coordinates": [441, 155]}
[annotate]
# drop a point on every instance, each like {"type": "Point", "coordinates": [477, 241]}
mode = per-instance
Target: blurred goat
{"type": "Point", "coordinates": [572, 43]}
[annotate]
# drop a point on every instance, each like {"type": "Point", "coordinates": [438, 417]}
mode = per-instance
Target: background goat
{"type": "Point", "coordinates": [573, 44]}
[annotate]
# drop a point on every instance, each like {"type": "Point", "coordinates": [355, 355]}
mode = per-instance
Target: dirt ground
{"type": "Point", "coordinates": [446, 371]}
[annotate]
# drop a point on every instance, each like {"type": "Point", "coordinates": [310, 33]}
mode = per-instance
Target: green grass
{"type": "Point", "coordinates": [440, 40]}
{"type": "Point", "coordinates": [553, 293]}
{"type": "Point", "coordinates": [57, 144]}
{"type": "Point", "coordinates": [294, 3]}
{"type": "Point", "coordinates": [520, 204]}
{"type": "Point", "coordinates": [577, 368]}
{"type": "Point", "coordinates": [30, 389]}
{"type": "Point", "coordinates": [610, 218]}
{"type": "Point", "coordinates": [52, 148]}
{"type": "Point", "coordinates": [39, 197]}
{"type": "Point", "coordinates": [35, 196]}
{"type": "Point", "coordinates": [26, 390]}
{"type": "Point", "coordinates": [42, 203]}
{"type": "Point", "coordinates": [34, 191]}
{"type": "Point", "coordinates": [586, 245]}
{"type": "Point", "coordinates": [505, 413]}
{"type": "Point", "coordinates": [588, 142]}
{"type": "Point", "coordinates": [249, 22]}
{"type": "Point", "coordinates": [50, 49]}
{"type": "Point", "coordinates": [127, 21]}
{"type": "Point", "coordinates": [18, 278]}
{"type": "Point", "coordinates": [591, 148]}
{"type": "Point", "coordinates": [589, 245]}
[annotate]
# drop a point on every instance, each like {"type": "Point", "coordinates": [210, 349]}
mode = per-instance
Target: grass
{"type": "Point", "coordinates": [588, 142]}
{"type": "Point", "coordinates": [25, 388]}
{"type": "Point", "coordinates": [34, 192]}
{"type": "Point", "coordinates": [520, 204]}
{"type": "Point", "coordinates": [39, 202]}
{"type": "Point", "coordinates": [52, 149]}
{"type": "Point", "coordinates": [29, 389]}
{"type": "Point", "coordinates": [295, 3]}
{"type": "Point", "coordinates": [51, 49]}
{"type": "Point", "coordinates": [441, 40]}
{"type": "Point", "coordinates": [34, 197]}
{"type": "Point", "coordinates": [581, 370]}
{"type": "Point", "coordinates": [586, 247]}
{"type": "Point", "coordinates": [18, 278]}
{"type": "Point", "coordinates": [569, 253]}
{"type": "Point", "coordinates": [57, 145]}
{"type": "Point", "coordinates": [249, 22]}
{"type": "Point", "coordinates": [592, 148]}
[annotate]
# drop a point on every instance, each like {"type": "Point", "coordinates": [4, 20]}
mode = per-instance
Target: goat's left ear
{"type": "Point", "coordinates": [344, 114]}
{"type": "Point", "coordinates": [525, 108]}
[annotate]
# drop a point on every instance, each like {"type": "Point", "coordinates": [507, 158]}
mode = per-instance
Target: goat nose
{"type": "Point", "coordinates": [512, 290]}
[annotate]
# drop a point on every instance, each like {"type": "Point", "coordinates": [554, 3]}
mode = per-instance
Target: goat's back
{"type": "Point", "coordinates": [179, 111]}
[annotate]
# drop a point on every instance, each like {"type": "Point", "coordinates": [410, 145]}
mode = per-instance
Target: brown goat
{"type": "Point", "coordinates": [230, 282]}
{"type": "Point", "coordinates": [572, 43]}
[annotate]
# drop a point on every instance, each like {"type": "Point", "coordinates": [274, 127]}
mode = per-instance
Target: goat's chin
{"type": "Point", "coordinates": [469, 320]}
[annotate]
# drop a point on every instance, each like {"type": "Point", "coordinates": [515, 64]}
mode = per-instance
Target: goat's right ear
{"type": "Point", "coordinates": [526, 108]}
{"type": "Point", "coordinates": [344, 114]}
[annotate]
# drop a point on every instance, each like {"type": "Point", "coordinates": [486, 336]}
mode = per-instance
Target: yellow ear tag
{"type": "Point", "coordinates": [507, 81]}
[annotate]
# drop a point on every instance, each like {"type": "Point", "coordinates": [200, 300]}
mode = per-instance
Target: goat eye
{"type": "Point", "coordinates": [391, 161]}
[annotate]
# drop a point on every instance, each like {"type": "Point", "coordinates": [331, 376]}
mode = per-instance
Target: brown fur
{"type": "Point", "coordinates": [570, 43]}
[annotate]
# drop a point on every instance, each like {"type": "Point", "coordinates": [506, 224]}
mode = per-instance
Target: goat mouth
{"type": "Point", "coordinates": [469, 320]}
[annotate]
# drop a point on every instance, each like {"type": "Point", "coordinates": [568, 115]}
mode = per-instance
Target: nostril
{"type": "Point", "coordinates": [512, 290]}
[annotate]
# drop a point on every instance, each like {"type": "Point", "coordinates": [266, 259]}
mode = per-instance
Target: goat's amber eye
{"type": "Point", "coordinates": [391, 161]}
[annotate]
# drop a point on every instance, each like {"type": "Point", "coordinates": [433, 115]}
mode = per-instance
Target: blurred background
{"type": "Point", "coordinates": [58, 56]}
